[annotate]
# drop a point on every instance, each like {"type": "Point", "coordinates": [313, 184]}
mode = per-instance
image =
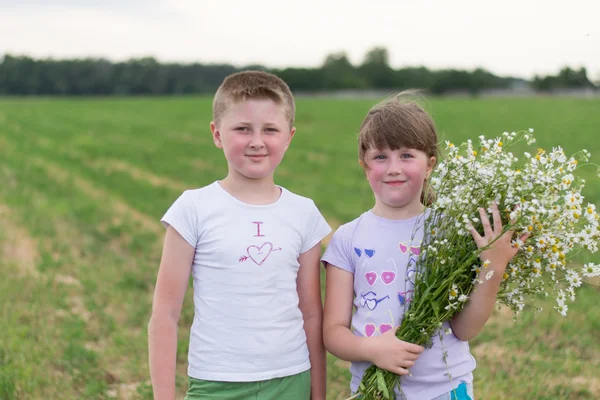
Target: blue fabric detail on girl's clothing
{"type": "Point", "coordinates": [460, 393]}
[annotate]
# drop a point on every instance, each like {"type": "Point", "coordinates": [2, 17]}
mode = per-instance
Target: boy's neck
{"type": "Point", "coordinates": [251, 191]}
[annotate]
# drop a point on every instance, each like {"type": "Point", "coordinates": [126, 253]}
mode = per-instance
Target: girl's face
{"type": "Point", "coordinates": [396, 178]}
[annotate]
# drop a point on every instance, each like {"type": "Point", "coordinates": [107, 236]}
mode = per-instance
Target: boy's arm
{"type": "Point", "coordinates": [385, 351]}
{"type": "Point", "coordinates": [468, 323]}
{"type": "Point", "coordinates": [309, 295]}
{"type": "Point", "coordinates": [171, 284]}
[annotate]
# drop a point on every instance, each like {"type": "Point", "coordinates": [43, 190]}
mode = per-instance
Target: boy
{"type": "Point", "coordinates": [253, 250]}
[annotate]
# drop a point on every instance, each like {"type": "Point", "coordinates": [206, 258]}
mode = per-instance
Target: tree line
{"type": "Point", "coordinates": [23, 76]}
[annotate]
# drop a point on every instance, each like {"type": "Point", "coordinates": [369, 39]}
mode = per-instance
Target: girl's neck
{"type": "Point", "coordinates": [251, 191]}
{"type": "Point", "coordinates": [397, 213]}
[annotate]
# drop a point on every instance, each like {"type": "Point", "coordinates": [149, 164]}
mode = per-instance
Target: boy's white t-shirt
{"type": "Point", "coordinates": [247, 325]}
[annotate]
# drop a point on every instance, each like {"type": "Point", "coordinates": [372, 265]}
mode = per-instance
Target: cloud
{"type": "Point", "coordinates": [129, 7]}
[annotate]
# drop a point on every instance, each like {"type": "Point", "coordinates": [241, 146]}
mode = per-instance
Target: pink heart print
{"type": "Point", "coordinates": [369, 329]}
{"type": "Point", "coordinates": [371, 277]}
{"type": "Point", "coordinates": [383, 328]}
{"type": "Point", "coordinates": [415, 250]}
{"type": "Point", "coordinates": [260, 254]}
{"type": "Point", "coordinates": [388, 277]}
{"type": "Point", "coordinates": [403, 247]}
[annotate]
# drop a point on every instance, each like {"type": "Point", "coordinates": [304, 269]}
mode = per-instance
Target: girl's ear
{"type": "Point", "coordinates": [430, 165]}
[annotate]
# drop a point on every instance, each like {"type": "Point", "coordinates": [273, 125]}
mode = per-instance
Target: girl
{"type": "Point", "coordinates": [369, 265]}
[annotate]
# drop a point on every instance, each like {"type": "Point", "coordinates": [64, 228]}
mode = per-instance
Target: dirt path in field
{"type": "Point", "coordinates": [120, 208]}
{"type": "Point", "coordinates": [110, 165]}
{"type": "Point", "coordinates": [503, 359]}
{"type": "Point", "coordinates": [17, 246]}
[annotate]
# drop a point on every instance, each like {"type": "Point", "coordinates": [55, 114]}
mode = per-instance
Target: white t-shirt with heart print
{"type": "Point", "coordinates": [247, 325]}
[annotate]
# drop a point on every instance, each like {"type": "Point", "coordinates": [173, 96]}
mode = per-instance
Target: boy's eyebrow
{"type": "Point", "coordinates": [250, 123]}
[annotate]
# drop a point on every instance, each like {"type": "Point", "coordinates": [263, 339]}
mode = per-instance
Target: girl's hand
{"type": "Point", "coordinates": [501, 251]}
{"type": "Point", "coordinates": [392, 354]}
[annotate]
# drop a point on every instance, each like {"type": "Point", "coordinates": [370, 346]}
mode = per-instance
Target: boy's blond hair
{"type": "Point", "coordinates": [246, 85]}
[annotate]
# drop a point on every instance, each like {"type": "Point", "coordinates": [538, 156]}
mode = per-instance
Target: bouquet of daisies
{"type": "Point", "coordinates": [538, 195]}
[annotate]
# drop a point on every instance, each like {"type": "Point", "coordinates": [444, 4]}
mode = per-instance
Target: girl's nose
{"type": "Point", "coordinates": [394, 167]}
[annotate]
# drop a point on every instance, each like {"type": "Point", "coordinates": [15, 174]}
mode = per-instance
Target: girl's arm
{"type": "Point", "coordinates": [468, 323]}
{"type": "Point", "coordinates": [309, 295]}
{"type": "Point", "coordinates": [385, 351]}
{"type": "Point", "coordinates": [171, 284]}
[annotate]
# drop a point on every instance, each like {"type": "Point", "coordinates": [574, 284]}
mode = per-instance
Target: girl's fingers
{"type": "Point", "coordinates": [487, 229]}
{"type": "Point", "coordinates": [497, 219]}
{"type": "Point", "coordinates": [476, 236]}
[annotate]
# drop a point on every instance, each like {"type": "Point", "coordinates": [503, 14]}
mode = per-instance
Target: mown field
{"type": "Point", "coordinates": [83, 184]}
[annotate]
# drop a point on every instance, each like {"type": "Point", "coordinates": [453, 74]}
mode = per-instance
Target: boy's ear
{"type": "Point", "coordinates": [216, 135]}
{"type": "Point", "coordinates": [292, 133]}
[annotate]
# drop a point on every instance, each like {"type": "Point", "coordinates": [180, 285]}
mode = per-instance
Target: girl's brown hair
{"type": "Point", "coordinates": [399, 122]}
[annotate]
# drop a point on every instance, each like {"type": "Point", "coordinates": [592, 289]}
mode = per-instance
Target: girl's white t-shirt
{"type": "Point", "coordinates": [247, 325]}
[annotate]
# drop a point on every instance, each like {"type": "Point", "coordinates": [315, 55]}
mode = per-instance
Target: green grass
{"type": "Point", "coordinates": [83, 184]}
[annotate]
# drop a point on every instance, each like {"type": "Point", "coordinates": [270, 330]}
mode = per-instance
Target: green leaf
{"type": "Point", "coordinates": [381, 386]}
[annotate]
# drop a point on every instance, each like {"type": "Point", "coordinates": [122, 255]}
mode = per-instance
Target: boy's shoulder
{"type": "Point", "coordinates": [297, 199]}
{"type": "Point", "coordinates": [190, 198]}
{"type": "Point", "coordinates": [211, 187]}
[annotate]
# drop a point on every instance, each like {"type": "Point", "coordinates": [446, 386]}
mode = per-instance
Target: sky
{"type": "Point", "coordinates": [518, 38]}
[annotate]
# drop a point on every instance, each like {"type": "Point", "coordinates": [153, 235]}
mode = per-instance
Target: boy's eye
{"type": "Point", "coordinates": [242, 128]}
{"type": "Point", "coordinates": [271, 130]}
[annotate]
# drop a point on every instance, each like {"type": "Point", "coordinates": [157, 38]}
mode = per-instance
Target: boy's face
{"type": "Point", "coordinates": [397, 176]}
{"type": "Point", "coordinates": [254, 135]}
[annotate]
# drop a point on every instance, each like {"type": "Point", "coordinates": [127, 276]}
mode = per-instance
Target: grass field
{"type": "Point", "coordinates": [83, 184]}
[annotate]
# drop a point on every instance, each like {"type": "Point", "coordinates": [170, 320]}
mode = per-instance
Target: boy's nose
{"type": "Point", "coordinates": [256, 141]}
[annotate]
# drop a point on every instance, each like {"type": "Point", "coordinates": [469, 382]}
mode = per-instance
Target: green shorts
{"type": "Point", "coordinates": [295, 387]}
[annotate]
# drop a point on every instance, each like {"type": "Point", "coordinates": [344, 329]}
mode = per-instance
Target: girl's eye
{"type": "Point", "coordinates": [379, 157]}
{"type": "Point", "coordinates": [406, 155]}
